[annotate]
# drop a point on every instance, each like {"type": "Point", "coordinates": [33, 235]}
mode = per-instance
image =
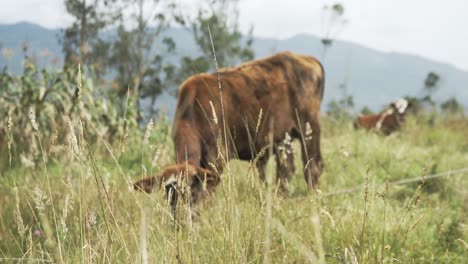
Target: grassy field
{"type": "Point", "coordinates": [75, 204]}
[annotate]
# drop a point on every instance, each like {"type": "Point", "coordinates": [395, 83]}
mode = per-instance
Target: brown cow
{"type": "Point", "coordinates": [387, 121]}
{"type": "Point", "coordinates": [280, 94]}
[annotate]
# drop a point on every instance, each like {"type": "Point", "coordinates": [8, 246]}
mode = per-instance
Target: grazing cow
{"type": "Point", "coordinates": [265, 102]}
{"type": "Point", "coordinates": [387, 121]}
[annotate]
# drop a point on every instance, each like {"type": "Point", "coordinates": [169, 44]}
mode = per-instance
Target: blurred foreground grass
{"type": "Point", "coordinates": [75, 204]}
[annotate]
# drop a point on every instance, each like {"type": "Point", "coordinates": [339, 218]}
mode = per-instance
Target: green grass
{"type": "Point", "coordinates": [83, 210]}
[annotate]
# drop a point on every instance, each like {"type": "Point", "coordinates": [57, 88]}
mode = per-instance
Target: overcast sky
{"type": "Point", "coordinates": [436, 29]}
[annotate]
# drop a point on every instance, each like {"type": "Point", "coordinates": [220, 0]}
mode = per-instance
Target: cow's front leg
{"type": "Point", "coordinates": [285, 167]}
{"type": "Point", "coordinates": [311, 157]}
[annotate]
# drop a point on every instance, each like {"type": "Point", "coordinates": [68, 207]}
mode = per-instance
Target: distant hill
{"type": "Point", "coordinates": [374, 78]}
{"type": "Point", "coordinates": [43, 44]}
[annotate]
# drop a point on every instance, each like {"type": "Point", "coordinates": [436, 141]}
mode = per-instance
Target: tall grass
{"type": "Point", "coordinates": [78, 207]}
{"type": "Point", "coordinates": [77, 204]}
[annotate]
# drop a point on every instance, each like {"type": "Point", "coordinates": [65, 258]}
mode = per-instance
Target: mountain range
{"type": "Point", "coordinates": [374, 78]}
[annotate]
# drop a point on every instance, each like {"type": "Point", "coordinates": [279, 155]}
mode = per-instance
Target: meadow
{"type": "Point", "coordinates": [69, 156]}
{"type": "Point", "coordinates": [75, 203]}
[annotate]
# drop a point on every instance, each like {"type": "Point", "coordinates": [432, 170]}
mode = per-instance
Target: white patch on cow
{"type": "Point", "coordinates": [308, 132]}
{"type": "Point", "coordinates": [401, 105]}
{"type": "Point", "coordinates": [378, 125]}
{"type": "Point", "coordinates": [286, 147]}
{"type": "Point", "coordinates": [287, 138]}
{"type": "Point", "coordinates": [170, 180]}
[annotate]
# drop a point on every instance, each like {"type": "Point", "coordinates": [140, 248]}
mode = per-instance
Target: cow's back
{"type": "Point", "coordinates": [273, 89]}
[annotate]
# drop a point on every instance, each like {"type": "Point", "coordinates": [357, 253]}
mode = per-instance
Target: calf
{"type": "Point", "coordinates": [387, 121]}
{"type": "Point", "coordinates": [238, 113]}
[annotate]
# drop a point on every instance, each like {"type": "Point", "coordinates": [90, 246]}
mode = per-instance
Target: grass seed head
{"type": "Point", "coordinates": [17, 213]}
{"type": "Point", "coordinates": [32, 117]}
{"type": "Point", "coordinates": [149, 129]}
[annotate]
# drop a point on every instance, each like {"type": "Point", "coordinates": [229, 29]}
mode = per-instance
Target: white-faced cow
{"type": "Point", "coordinates": [386, 121]}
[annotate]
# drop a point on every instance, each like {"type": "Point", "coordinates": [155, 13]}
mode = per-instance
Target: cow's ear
{"type": "Point", "coordinates": [146, 184]}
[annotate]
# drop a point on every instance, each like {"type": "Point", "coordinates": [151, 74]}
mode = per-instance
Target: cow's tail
{"type": "Point", "coordinates": [321, 85]}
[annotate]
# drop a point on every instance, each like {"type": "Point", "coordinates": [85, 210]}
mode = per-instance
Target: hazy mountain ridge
{"type": "Point", "coordinates": [374, 78]}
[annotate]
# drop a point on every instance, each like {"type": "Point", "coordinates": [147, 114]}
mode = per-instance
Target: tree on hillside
{"type": "Point", "coordinates": [231, 47]}
{"type": "Point", "coordinates": [451, 105]}
{"type": "Point", "coordinates": [81, 41]}
{"type": "Point", "coordinates": [366, 111]}
{"type": "Point", "coordinates": [341, 108]}
{"type": "Point", "coordinates": [333, 22]}
{"type": "Point", "coordinates": [139, 53]}
{"type": "Point", "coordinates": [431, 83]}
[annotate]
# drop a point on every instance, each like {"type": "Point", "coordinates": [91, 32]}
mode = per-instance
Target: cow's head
{"type": "Point", "coordinates": [175, 177]}
{"type": "Point", "coordinates": [400, 106]}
